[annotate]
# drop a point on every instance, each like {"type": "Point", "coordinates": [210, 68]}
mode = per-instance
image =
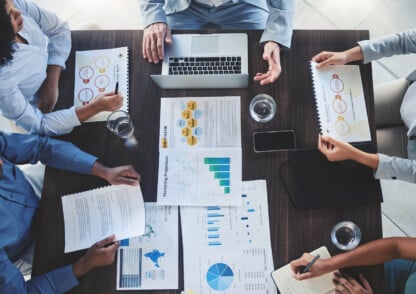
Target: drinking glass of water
{"type": "Point", "coordinates": [262, 108]}
{"type": "Point", "coordinates": [346, 235]}
{"type": "Point", "coordinates": [120, 124]}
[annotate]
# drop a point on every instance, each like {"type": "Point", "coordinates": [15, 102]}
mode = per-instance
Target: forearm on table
{"type": "Point", "coordinates": [99, 170]}
{"type": "Point", "coordinates": [375, 252]}
{"type": "Point", "coordinates": [86, 111]}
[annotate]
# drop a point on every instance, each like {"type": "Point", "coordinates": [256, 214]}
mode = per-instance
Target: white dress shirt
{"type": "Point", "coordinates": [49, 42]}
{"type": "Point", "coordinates": [214, 3]}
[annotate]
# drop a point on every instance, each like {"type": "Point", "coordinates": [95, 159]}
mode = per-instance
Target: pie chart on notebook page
{"type": "Point", "coordinates": [220, 276]}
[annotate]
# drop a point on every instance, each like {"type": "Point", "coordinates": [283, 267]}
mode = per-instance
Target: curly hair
{"type": "Point", "coordinates": [7, 35]}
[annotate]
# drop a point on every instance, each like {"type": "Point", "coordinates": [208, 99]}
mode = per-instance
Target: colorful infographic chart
{"type": "Point", "coordinates": [96, 73]}
{"type": "Point", "coordinates": [220, 277]}
{"type": "Point", "coordinates": [150, 261]}
{"type": "Point", "coordinates": [203, 176]}
{"type": "Point", "coordinates": [227, 249]}
{"type": "Point", "coordinates": [340, 102]}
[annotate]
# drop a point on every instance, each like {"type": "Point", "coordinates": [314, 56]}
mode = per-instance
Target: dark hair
{"type": "Point", "coordinates": [7, 35]}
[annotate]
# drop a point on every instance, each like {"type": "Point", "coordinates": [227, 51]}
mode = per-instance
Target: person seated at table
{"type": "Point", "coordinates": [399, 272]}
{"type": "Point", "coordinates": [18, 204]}
{"type": "Point", "coordinates": [369, 50]}
{"type": "Point", "coordinates": [34, 46]}
{"type": "Point", "coordinates": [274, 16]}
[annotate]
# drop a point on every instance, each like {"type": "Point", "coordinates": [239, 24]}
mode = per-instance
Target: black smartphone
{"type": "Point", "coordinates": [274, 141]}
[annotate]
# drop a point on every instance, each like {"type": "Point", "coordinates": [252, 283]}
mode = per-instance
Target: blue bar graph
{"type": "Point", "coordinates": [244, 218]}
{"type": "Point", "coordinates": [214, 244]}
{"type": "Point", "coordinates": [213, 236]}
{"type": "Point", "coordinates": [215, 215]}
{"type": "Point", "coordinates": [213, 208]}
{"type": "Point", "coordinates": [213, 229]}
{"type": "Point", "coordinates": [220, 167]}
{"type": "Point", "coordinates": [251, 210]}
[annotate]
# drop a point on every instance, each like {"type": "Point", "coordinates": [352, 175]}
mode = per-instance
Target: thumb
{"type": "Point", "coordinates": [168, 36]}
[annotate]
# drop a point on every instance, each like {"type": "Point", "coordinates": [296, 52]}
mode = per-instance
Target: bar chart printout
{"type": "Point", "coordinates": [227, 249]}
{"type": "Point", "coordinates": [200, 177]}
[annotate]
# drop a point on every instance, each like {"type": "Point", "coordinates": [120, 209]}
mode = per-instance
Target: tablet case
{"type": "Point", "coordinates": [318, 183]}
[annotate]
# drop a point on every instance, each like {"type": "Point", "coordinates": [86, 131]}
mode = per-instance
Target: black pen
{"type": "Point", "coordinates": [116, 90]}
{"type": "Point", "coordinates": [309, 265]}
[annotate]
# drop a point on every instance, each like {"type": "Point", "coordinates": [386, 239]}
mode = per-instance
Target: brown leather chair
{"type": "Point", "coordinates": [391, 131]}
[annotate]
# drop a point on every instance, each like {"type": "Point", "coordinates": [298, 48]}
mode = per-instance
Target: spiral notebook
{"type": "Point", "coordinates": [96, 73]}
{"type": "Point", "coordinates": [340, 102]}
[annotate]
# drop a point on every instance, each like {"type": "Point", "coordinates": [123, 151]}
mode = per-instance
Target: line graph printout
{"type": "Point", "coordinates": [150, 261]}
{"type": "Point", "coordinates": [227, 250]}
{"type": "Point", "coordinates": [207, 176]}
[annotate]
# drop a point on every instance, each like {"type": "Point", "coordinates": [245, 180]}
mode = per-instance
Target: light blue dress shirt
{"type": "Point", "coordinates": [49, 42]}
{"type": "Point", "coordinates": [18, 204]}
{"type": "Point", "coordinates": [278, 24]}
{"type": "Point", "coordinates": [395, 44]}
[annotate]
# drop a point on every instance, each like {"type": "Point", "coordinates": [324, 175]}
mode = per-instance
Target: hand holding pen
{"type": "Point", "coordinates": [308, 266]}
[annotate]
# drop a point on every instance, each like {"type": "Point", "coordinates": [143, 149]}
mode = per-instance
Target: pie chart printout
{"type": "Point", "coordinates": [220, 277]}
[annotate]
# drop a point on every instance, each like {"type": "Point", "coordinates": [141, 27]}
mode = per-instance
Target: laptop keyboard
{"type": "Point", "coordinates": [205, 65]}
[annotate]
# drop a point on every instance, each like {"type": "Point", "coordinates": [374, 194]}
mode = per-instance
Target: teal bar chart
{"type": "Point", "coordinates": [220, 167]}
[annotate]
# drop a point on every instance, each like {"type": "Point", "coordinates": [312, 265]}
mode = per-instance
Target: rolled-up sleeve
{"type": "Point", "coordinates": [279, 26]}
{"type": "Point", "coordinates": [400, 43]}
{"type": "Point", "coordinates": [396, 168]}
{"type": "Point", "coordinates": [56, 30]}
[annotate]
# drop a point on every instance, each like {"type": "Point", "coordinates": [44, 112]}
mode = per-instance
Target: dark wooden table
{"type": "Point", "coordinates": [292, 231]}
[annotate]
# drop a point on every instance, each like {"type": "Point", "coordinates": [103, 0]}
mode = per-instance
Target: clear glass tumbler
{"type": "Point", "coordinates": [262, 108]}
{"type": "Point", "coordinates": [120, 124]}
{"type": "Point", "coordinates": [346, 235]}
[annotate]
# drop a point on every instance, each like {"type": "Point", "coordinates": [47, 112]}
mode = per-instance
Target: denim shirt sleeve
{"type": "Point", "coordinates": [396, 168]}
{"type": "Point", "coordinates": [23, 148]}
{"type": "Point", "coordinates": [279, 27]}
{"type": "Point", "coordinates": [56, 281]}
{"type": "Point", "coordinates": [56, 30]}
{"type": "Point", "coordinates": [394, 44]}
{"type": "Point", "coordinates": [14, 106]}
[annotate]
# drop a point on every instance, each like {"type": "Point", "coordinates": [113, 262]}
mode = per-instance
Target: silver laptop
{"type": "Point", "coordinates": [205, 61]}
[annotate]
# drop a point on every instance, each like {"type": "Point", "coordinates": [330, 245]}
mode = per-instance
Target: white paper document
{"type": "Point", "coordinates": [96, 73]}
{"type": "Point", "coordinates": [227, 249]}
{"type": "Point", "coordinates": [151, 261]}
{"type": "Point", "coordinates": [340, 102]}
{"type": "Point", "coordinates": [200, 158]}
{"type": "Point", "coordinates": [93, 215]}
{"type": "Point", "coordinates": [287, 284]}
{"type": "Point", "coordinates": [200, 122]}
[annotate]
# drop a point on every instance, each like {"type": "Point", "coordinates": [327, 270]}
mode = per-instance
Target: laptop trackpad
{"type": "Point", "coordinates": [204, 45]}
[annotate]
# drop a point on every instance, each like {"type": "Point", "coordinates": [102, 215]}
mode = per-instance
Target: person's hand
{"type": "Point", "coordinates": [348, 285]}
{"type": "Point", "coordinates": [318, 268]}
{"type": "Point", "coordinates": [326, 57]}
{"type": "Point", "coordinates": [335, 150]}
{"type": "Point", "coordinates": [116, 175]}
{"type": "Point", "coordinates": [271, 54]}
{"type": "Point", "coordinates": [108, 102]}
{"type": "Point", "coordinates": [100, 254]}
{"type": "Point", "coordinates": [154, 38]}
{"type": "Point", "coordinates": [49, 90]}
{"type": "Point", "coordinates": [48, 96]}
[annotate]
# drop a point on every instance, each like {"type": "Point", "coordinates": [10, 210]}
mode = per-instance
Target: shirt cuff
{"type": "Point", "coordinates": [365, 49]}
{"type": "Point", "coordinates": [64, 278]}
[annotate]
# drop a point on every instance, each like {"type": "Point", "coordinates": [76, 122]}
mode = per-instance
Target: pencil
{"type": "Point", "coordinates": [310, 264]}
{"type": "Point", "coordinates": [116, 90]}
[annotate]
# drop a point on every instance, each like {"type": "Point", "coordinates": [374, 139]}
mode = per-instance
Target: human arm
{"type": "Point", "coordinates": [327, 57]}
{"type": "Point", "coordinates": [49, 91]}
{"type": "Point", "coordinates": [15, 106]}
{"type": "Point", "coordinates": [278, 32]}
{"type": "Point", "coordinates": [336, 150]}
{"type": "Point", "coordinates": [156, 31]}
{"type": "Point", "coordinates": [372, 253]}
{"type": "Point", "coordinates": [19, 148]}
